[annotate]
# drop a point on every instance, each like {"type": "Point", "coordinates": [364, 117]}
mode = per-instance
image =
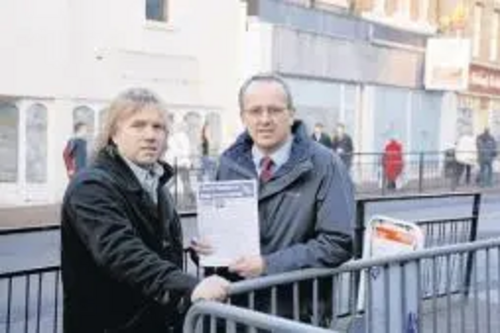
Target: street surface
{"type": "Point", "coordinates": [31, 250]}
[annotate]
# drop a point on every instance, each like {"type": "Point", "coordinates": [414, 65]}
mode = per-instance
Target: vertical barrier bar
{"type": "Point", "coordinates": [359, 228]}
{"type": "Point", "coordinates": [387, 293]}
{"type": "Point", "coordinates": [295, 301]}
{"type": "Point", "coordinates": [402, 296]}
{"type": "Point", "coordinates": [39, 302]}
{"type": "Point", "coordinates": [9, 303]}
{"type": "Point", "coordinates": [434, 295]}
{"type": "Point", "coordinates": [476, 296]}
{"type": "Point", "coordinates": [473, 235]}
{"type": "Point", "coordinates": [462, 288]}
{"type": "Point", "coordinates": [315, 316]}
{"type": "Point", "coordinates": [368, 306]}
{"type": "Point", "coordinates": [56, 302]}
{"type": "Point", "coordinates": [419, 295]}
{"type": "Point", "coordinates": [27, 304]}
{"type": "Point", "coordinates": [488, 299]}
{"type": "Point", "coordinates": [498, 279]}
{"type": "Point", "coordinates": [448, 294]}
{"type": "Point", "coordinates": [421, 173]}
{"type": "Point", "coordinates": [274, 301]}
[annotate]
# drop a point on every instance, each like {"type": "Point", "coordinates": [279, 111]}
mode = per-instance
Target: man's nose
{"type": "Point", "coordinates": [265, 116]}
{"type": "Point", "coordinates": [150, 132]}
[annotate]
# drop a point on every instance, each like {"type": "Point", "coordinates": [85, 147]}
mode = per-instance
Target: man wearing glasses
{"type": "Point", "coordinates": [306, 198]}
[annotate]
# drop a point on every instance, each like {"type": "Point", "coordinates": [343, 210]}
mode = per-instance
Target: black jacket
{"type": "Point", "coordinates": [121, 253]}
{"type": "Point", "coordinates": [323, 139]}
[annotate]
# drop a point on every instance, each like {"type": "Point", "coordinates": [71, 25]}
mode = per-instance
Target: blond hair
{"type": "Point", "coordinates": [126, 104]}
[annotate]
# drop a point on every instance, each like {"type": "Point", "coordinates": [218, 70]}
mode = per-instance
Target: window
{"type": "Point", "coordinates": [9, 142]}
{"type": "Point", "coordinates": [476, 37]}
{"type": "Point", "coordinates": [36, 144]}
{"type": "Point", "coordinates": [156, 10]}
{"type": "Point", "coordinates": [495, 20]}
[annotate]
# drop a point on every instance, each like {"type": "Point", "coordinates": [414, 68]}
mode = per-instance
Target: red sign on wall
{"type": "Point", "coordinates": [484, 80]}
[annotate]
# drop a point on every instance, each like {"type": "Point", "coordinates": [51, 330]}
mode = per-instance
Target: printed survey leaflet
{"type": "Point", "coordinates": [228, 220]}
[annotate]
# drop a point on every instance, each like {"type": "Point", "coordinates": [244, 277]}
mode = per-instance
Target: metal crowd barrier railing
{"type": "Point", "coordinates": [214, 317]}
{"type": "Point", "coordinates": [31, 300]}
{"type": "Point", "coordinates": [392, 296]}
{"type": "Point", "coordinates": [422, 172]}
{"type": "Point", "coordinates": [426, 289]}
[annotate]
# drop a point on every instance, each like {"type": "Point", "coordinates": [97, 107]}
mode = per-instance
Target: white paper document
{"type": "Point", "coordinates": [228, 220]}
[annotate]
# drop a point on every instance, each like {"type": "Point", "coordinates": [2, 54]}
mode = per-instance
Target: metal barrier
{"type": "Point", "coordinates": [214, 317]}
{"type": "Point", "coordinates": [392, 298]}
{"type": "Point", "coordinates": [31, 300]}
{"type": "Point", "coordinates": [437, 231]}
{"type": "Point", "coordinates": [428, 171]}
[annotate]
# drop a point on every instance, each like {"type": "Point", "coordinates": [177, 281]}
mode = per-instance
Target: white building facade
{"type": "Point", "coordinates": [62, 61]}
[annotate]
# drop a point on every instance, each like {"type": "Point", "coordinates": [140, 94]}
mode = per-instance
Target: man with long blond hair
{"type": "Point", "coordinates": [121, 236]}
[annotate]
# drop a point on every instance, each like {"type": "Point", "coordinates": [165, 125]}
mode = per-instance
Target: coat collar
{"type": "Point", "coordinates": [239, 159]}
{"type": "Point", "coordinates": [110, 159]}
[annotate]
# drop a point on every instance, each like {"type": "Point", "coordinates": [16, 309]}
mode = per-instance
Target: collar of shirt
{"type": "Point", "coordinates": [279, 157]}
{"type": "Point", "coordinates": [147, 177]}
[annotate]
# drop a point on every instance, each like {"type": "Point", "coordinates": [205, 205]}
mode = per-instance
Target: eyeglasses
{"type": "Point", "coordinates": [272, 112]}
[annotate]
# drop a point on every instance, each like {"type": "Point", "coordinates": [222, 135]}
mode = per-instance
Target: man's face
{"type": "Point", "coordinates": [141, 137]}
{"type": "Point", "coordinates": [318, 130]}
{"type": "Point", "coordinates": [340, 130]}
{"type": "Point", "coordinates": [266, 116]}
{"type": "Point", "coordinates": [82, 132]}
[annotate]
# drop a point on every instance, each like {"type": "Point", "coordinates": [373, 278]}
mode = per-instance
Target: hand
{"type": "Point", "coordinates": [212, 288]}
{"type": "Point", "coordinates": [248, 267]}
{"type": "Point", "coordinates": [201, 246]}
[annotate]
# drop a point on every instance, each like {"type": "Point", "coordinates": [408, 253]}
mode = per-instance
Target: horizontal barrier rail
{"type": "Point", "coordinates": [223, 317]}
{"type": "Point", "coordinates": [391, 296]}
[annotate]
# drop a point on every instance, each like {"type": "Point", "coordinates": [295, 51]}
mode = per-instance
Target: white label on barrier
{"type": "Point", "coordinates": [393, 300]}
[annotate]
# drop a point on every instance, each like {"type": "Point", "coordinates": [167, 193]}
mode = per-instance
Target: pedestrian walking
{"type": "Point", "coordinates": [487, 152]}
{"type": "Point", "coordinates": [343, 146]}
{"type": "Point", "coordinates": [392, 162]}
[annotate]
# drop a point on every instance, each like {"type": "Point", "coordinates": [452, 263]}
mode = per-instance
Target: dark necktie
{"type": "Point", "coordinates": [266, 171]}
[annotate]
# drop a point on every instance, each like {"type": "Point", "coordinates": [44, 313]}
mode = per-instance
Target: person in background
{"type": "Point", "coordinates": [320, 136]}
{"type": "Point", "coordinates": [179, 155]}
{"type": "Point", "coordinates": [121, 237]}
{"type": "Point", "coordinates": [466, 156]}
{"type": "Point", "coordinates": [343, 146]}
{"type": "Point", "coordinates": [208, 165]}
{"type": "Point", "coordinates": [392, 162]}
{"type": "Point", "coordinates": [75, 152]}
{"type": "Point", "coordinates": [486, 152]}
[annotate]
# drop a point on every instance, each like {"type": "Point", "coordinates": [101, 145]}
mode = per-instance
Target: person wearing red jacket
{"type": "Point", "coordinates": [392, 162]}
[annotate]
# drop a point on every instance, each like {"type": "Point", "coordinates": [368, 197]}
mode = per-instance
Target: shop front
{"type": "Point", "coordinates": [479, 106]}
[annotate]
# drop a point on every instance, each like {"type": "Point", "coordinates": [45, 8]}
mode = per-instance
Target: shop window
{"type": "Point", "coordinates": [9, 142]}
{"type": "Point", "coordinates": [36, 144]}
{"type": "Point", "coordinates": [157, 10]}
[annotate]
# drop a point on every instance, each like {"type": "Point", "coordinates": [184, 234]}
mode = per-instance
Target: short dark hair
{"type": "Point", "coordinates": [266, 77]}
{"type": "Point", "coordinates": [78, 126]}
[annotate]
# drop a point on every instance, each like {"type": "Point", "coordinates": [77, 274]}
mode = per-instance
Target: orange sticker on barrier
{"type": "Point", "coordinates": [394, 235]}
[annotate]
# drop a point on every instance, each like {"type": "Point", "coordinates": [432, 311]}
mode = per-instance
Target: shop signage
{"type": "Point", "coordinates": [484, 80]}
{"type": "Point", "coordinates": [445, 72]}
